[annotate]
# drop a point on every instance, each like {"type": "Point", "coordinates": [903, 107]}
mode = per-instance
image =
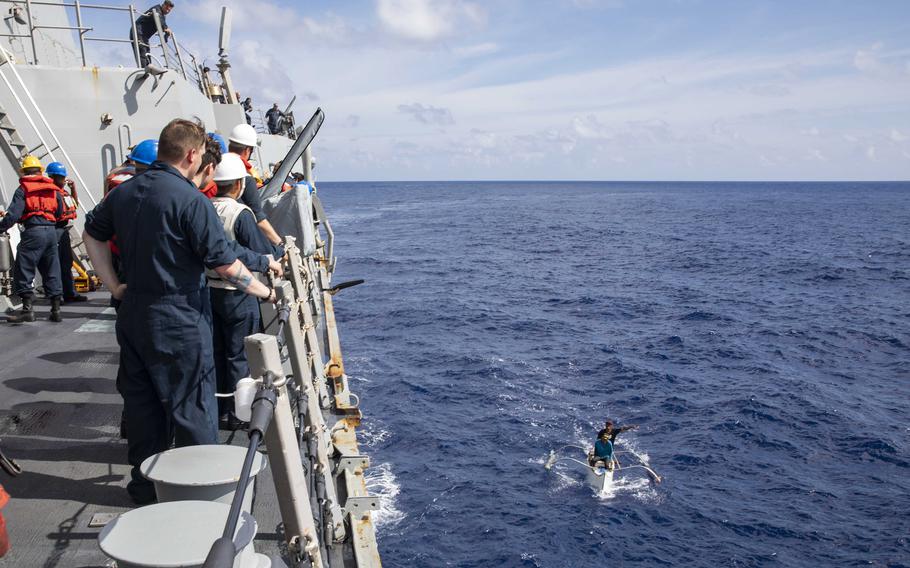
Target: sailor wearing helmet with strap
{"type": "Point", "coordinates": [36, 205]}
{"type": "Point", "coordinates": [57, 172]}
{"type": "Point", "coordinates": [241, 142]}
{"type": "Point", "coordinates": [137, 161]}
{"type": "Point", "coordinates": [235, 314]}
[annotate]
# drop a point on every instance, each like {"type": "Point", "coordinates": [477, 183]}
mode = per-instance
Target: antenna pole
{"type": "Point", "coordinates": [224, 66]}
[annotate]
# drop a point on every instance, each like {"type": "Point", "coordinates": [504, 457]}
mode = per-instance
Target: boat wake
{"type": "Point", "coordinates": [380, 481]}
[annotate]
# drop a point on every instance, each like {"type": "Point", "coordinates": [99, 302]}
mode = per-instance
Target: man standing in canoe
{"type": "Point", "coordinates": [603, 447]}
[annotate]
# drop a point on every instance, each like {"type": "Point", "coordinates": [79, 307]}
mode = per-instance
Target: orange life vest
{"type": "Point", "coordinates": [40, 197]}
{"type": "Point", "coordinates": [249, 170]}
{"type": "Point", "coordinates": [69, 206]}
{"type": "Point", "coordinates": [117, 176]}
{"type": "Point", "coordinates": [4, 537]}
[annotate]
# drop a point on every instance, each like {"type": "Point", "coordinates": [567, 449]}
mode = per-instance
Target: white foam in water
{"type": "Point", "coordinates": [370, 437]}
{"type": "Point", "coordinates": [380, 481]}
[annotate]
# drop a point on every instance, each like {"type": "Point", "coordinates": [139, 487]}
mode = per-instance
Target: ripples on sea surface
{"type": "Point", "coordinates": [758, 333]}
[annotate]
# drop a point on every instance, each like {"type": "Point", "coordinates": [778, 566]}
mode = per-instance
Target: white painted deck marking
{"type": "Point", "coordinates": [99, 325]}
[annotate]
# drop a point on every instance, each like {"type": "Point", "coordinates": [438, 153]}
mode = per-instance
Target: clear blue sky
{"type": "Point", "coordinates": [582, 89]}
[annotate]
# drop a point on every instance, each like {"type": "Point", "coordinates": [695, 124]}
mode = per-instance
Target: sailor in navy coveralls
{"type": "Point", "coordinates": [168, 234]}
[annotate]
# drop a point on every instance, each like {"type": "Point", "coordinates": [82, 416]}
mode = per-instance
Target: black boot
{"type": "Point", "coordinates": [25, 314]}
{"type": "Point", "coordinates": [55, 310]}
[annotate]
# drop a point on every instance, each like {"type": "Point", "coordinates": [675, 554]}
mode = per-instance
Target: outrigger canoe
{"type": "Point", "coordinates": [601, 478]}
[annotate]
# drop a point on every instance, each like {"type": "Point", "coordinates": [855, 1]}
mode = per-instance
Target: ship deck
{"type": "Point", "coordinates": [59, 418]}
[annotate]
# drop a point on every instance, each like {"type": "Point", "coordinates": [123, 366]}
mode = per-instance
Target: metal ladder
{"type": "Point", "coordinates": [15, 147]}
{"type": "Point", "coordinates": [11, 140]}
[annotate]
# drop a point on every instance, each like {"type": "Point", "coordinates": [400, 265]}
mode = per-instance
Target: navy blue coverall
{"type": "Point", "coordinates": [250, 197]}
{"type": "Point", "coordinates": [236, 315]}
{"type": "Point", "coordinates": [146, 28]}
{"type": "Point", "coordinates": [168, 233]}
{"type": "Point", "coordinates": [37, 249]}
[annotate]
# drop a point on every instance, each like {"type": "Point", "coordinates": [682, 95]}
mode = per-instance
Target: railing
{"type": "Point", "coordinates": [286, 127]}
{"type": "Point", "coordinates": [174, 57]}
{"type": "Point", "coordinates": [20, 86]}
{"type": "Point", "coordinates": [172, 54]}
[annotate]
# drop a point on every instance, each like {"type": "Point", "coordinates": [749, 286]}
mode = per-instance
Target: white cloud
{"type": "Point", "coordinates": [529, 110]}
{"type": "Point", "coordinates": [589, 127]}
{"type": "Point", "coordinates": [427, 20]}
{"type": "Point", "coordinates": [428, 114]}
{"type": "Point", "coordinates": [476, 50]}
{"type": "Point", "coordinates": [260, 68]}
{"type": "Point", "coordinates": [597, 3]}
{"type": "Point", "coordinates": [867, 60]}
{"type": "Point", "coordinates": [249, 16]}
{"type": "Point", "coordinates": [876, 60]}
{"type": "Point", "coordinates": [816, 154]}
{"type": "Point", "coordinates": [870, 153]}
{"type": "Point", "coordinates": [770, 90]}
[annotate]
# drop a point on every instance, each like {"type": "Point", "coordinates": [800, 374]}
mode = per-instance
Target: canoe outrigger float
{"type": "Point", "coordinates": [599, 476]}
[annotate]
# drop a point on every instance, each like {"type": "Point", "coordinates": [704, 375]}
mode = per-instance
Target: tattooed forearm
{"type": "Point", "coordinates": [240, 277]}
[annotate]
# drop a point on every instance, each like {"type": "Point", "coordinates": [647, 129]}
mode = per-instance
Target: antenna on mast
{"type": "Point", "coordinates": [224, 33]}
{"type": "Point", "coordinates": [224, 38]}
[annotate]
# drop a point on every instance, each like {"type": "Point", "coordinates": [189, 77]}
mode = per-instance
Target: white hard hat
{"type": "Point", "coordinates": [230, 168]}
{"type": "Point", "coordinates": [243, 134]}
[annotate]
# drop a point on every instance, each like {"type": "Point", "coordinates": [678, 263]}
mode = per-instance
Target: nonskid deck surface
{"type": "Point", "coordinates": [59, 418]}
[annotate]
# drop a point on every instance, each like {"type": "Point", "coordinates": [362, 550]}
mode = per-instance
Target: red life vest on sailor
{"type": "Point", "coordinates": [210, 190]}
{"type": "Point", "coordinates": [69, 206]}
{"type": "Point", "coordinates": [117, 176]}
{"type": "Point", "coordinates": [40, 197]}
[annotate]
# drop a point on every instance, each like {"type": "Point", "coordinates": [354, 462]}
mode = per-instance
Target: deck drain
{"type": "Point", "coordinates": [98, 520]}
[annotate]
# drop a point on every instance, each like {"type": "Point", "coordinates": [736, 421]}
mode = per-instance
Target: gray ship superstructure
{"type": "Point", "coordinates": [58, 404]}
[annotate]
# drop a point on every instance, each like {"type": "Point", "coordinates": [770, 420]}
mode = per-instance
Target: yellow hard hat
{"type": "Point", "coordinates": [31, 162]}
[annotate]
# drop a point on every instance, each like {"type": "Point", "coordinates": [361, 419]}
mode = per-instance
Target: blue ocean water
{"type": "Point", "coordinates": [759, 334]}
